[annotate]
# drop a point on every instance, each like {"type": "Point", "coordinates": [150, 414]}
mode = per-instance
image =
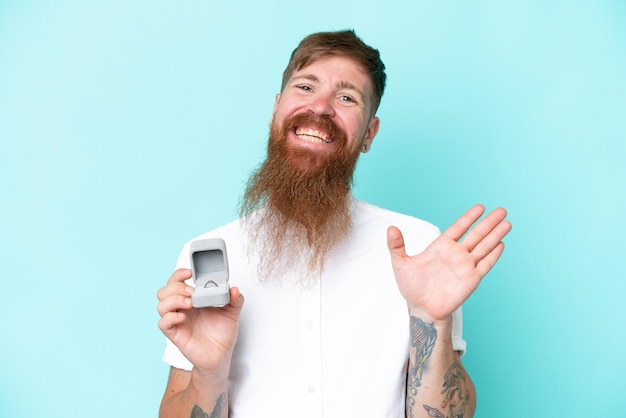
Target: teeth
{"type": "Point", "coordinates": [312, 135]}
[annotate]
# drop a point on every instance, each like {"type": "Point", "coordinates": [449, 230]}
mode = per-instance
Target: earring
{"type": "Point", "coordinates": [365, 147]}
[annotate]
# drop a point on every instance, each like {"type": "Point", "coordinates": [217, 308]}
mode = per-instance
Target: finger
{"type": "Point", "coordinates": [395, 242]}
{"type": "Point", "coordinates": [167, 323]}
{"type": "Point", "coordinates": [236, 298]}
{"type": "Point", "coordinates": [484, 228]}
{"type": "Point", "coordinates": [173, 304]}
{"type": "Point", "coordinates": [175, 288]}
{"type": "Point", "coordinates": [487, 244]}
{"type": "Point", "coordinates": [175, 284]}
{"type": "Point", "coordinates": [180, 275]}
{"type": "Point", "coordinates": [463, 224]}
{"type": "Point", "coordinates": [236, 303]}
{"type": "Point", "coordinates": [487, 263]}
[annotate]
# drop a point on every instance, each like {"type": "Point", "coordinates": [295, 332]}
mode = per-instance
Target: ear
{"type": "Point", "coordinates": [372, 130]}
{"type": "Point", "coordinates": [276, 101]}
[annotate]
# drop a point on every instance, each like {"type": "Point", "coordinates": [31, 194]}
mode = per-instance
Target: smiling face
{"type": "Point", "coordinates": [296, 207]}
{"type": "Point", "coordinates": [299, 196]}
{"type": "Point", "coordinates": [327, 107]}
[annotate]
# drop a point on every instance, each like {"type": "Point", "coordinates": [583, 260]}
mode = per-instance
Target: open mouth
{"type": "Point", "coordinates": [313, 135]}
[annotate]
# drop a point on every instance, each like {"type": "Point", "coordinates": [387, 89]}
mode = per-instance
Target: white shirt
{"type": "Point", "coordinates": [338, 349]}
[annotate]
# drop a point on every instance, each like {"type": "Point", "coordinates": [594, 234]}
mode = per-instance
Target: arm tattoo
{"type": "Point", "coordinates": [197, 412]}
{"type": "Point", "coordinates": [423, 338]}
{"type": "Point", "coordinates": [220, 410]}
{"type": "Point", "coordinates": [455, 389]}
{"type": "Point", "coordinates": [434, 412]}
{"type": "Point", "coordinates": [457, 395]}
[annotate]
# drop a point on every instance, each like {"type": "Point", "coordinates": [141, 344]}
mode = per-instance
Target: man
{"type": "Point", "coordinates": [338, 320]}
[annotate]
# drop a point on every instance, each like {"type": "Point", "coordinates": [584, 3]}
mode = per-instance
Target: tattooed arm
{"type": "Point", "coordinates": [434, 284]}
{"type": "Point", "coordinates": [191, 397]}
{"type": "Point", "coordinates": [437, 384]}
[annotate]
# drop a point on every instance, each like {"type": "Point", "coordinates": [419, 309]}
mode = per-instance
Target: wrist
{"type": "Point", "coordinates": [201, 378]}
{"type": "Point", "coordinates": [438, 323]}
{"type": "Point", "coordinates": [208, 392]}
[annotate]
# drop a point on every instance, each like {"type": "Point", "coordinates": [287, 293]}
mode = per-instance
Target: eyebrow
{"type": "Point", "coordinates": [347, 85]}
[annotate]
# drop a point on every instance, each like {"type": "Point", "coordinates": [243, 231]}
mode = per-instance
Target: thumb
{"type": "Point", "coordinates": [236, 301]}
{"type": "Point", "coordinates": [395, 242]}
{"type": "Point", "coordinates": [236, 298]}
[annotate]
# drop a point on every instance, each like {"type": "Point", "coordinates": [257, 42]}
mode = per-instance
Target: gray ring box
{"type": "Point", "coordinates": [209, 269]}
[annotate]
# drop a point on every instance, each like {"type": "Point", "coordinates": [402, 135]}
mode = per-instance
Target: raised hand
{"type": "Point", "coordinates": [438, 280]}
{"type": "Point", "coordinates": [206, 336]}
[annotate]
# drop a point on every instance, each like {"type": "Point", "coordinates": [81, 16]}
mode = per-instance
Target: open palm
{"type": "Point", "coordinates": [438, 280]}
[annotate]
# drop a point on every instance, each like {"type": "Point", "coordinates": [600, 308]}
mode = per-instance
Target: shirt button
{"type": "Point", "coordinates": [309, 325]}
{"type": "Point", "coordinates": [311, 389]}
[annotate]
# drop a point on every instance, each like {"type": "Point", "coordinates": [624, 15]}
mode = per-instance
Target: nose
{"type": "Point", "coordinates": [322, 105]}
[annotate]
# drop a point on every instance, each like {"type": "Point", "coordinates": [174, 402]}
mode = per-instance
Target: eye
{"type": "Point", "coordinates": [304, 87]}
{"type": "Point", "coordinates": [347, 99]}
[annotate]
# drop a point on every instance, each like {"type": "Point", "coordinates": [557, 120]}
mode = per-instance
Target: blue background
{"type": "Point", "coordinates": [127, 128]}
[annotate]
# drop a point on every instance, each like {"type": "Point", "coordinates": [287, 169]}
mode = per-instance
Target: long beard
{"type": "Point", "coordinates": [296, 207]}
